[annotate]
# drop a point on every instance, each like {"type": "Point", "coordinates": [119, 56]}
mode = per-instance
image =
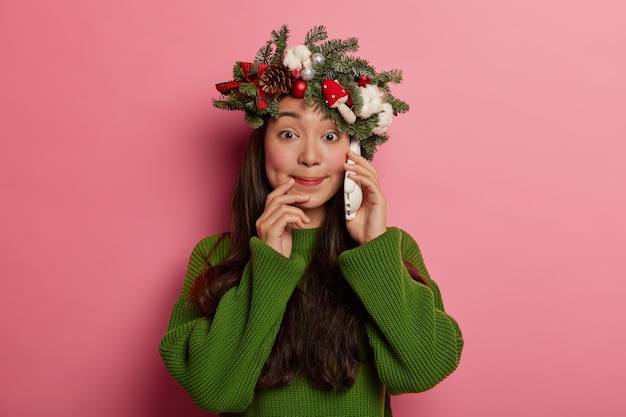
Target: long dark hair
{"type": "Point", "coordinates": [318, 337]}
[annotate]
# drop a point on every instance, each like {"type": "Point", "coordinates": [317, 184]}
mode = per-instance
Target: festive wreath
{"type": "Point", "coordinates": [326, 75]}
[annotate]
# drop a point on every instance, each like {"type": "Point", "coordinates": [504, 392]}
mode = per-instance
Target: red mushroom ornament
{"type": "Point", "coordinates": [336, 98]}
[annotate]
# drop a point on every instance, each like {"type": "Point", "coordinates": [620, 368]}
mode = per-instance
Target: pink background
{"type": "Point", "coordinates": [509, 171]}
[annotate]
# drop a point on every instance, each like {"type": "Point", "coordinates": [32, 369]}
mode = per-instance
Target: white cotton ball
{"type": "Point", "coordinates": [385, 118]}
{"type": "Point", "coordinates": [372, 102]}
{"type": "Point", "coordinates": [297, 57]}
{"type": "Point", "coordinates": [303, 53]}
{"type": "Point", "coordinates": [367, 110]}
{"type": "Point", "coordinates": [291, 62]}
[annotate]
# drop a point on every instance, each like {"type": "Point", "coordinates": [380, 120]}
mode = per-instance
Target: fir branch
{"type": "Point", "coordinates": [353, 90]}
{"type": "Point", "coordinates": [313, 94]}
{"type": "Point", "coordinates": [398, 105]}
{"type": "Point", "coordinates": [315, 35]}
{"type": "Point", "coordinates": [274, 108]}
{"type": "Point", "coordinates": [253, 120]}
{"type": "Point", "coordinates": [264, 54]}
{"type": "Point", "coordinates": [360, 130]}
{"type": "Point", "coordinates": [223, 105]}
{"type": "Point", "coordinates": [392, 76]}
{"type": "Point", "coordinates": [249, 106]}
{"type": "Point", "coordinates": [249, 89]}
{"type": "Point", "coordinates": [331, 48]}
{"type": "Point", "coordinates": [280, 39]}
{"type": "Point", "coordinates": [370, 144]}
{"type": "Point", "coordinates": [354, 66]}
{"type": "Point", "coordinates": [238, 74]}
{"type": "Point", "coordinates": [368, 148]}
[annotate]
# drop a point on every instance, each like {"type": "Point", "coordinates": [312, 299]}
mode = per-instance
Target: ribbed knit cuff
{"type": "Point", "coordinates": [280, 275]}
{"type": "Point", "coordinates": [376, 272]}
{"type": "Point", "coordinates": [374, 259]}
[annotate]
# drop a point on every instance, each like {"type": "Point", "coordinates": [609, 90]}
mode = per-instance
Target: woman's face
{"type": "Point", "coordinates": [305, 144]}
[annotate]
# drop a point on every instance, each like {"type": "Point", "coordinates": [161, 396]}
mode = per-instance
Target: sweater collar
{"type": "Point", "coordinates": [303, 240]}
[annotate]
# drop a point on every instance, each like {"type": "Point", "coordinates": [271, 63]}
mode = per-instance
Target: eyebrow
{"type": "Point", "coordinates": [289, 114]}
{"type": "Point", "coordinates": [298, 116]}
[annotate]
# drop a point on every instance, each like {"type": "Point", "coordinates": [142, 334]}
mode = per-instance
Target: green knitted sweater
{"type": "Point", "coordinates": [411, 342]}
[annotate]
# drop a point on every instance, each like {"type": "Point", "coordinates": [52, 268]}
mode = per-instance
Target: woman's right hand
{"type": "Point", "coordinates": [279, 215]}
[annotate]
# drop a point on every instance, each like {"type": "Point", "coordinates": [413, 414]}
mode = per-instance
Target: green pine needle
{"type": "Point", "coordinates": [253, 120]}
{"type": "Point", "coordinates": [314, 36]}
{"type": "Point", "coordinates": [280, 40]}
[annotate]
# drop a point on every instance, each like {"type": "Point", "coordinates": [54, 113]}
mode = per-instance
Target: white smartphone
{"type": "Point", "coordinates": [352, 193]}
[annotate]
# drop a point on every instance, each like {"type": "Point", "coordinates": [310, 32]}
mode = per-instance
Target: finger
{"type": "Point", "coordinates": [360, 173]}
{"type": "Point", "coordinates": [288, 213]}
{"type": "Point", "coordinates": [278, 218]}
{"type": "Point", "coordinates": [286, 185]}
{"type": "Point", "coordinates": [372, 191]}
{"type": "Point", "coordinates": [356, 158]}
{"type": "Point", "coordinates": [277, 201]}
{"type": "Point", "coordinates": [351, 154]}
{"type": "Point", "coordinates": [281, 189]}
{"type": "Point", "coordinates": [361, 164]}
{"type": "Point", "coordinates": [275, 227]}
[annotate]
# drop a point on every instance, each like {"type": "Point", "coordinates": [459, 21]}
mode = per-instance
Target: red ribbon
{"type": "Point", "coordinates": [251, 71]}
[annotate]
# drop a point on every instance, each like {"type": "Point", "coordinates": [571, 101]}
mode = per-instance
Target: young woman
{"type": "Point", "coordinates": [298, 311]}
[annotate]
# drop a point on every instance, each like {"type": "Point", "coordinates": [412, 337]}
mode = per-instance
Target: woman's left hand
{"type": "Point", "coordinates": [371, 218]}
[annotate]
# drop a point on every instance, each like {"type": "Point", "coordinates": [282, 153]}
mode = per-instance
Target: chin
{"type": "Point", "coordinates": [315, 203]}
{"type": "Point", "coordinates": [311, 205]}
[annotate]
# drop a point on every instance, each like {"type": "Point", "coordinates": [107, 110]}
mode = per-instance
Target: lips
{"type": "Point", "coordinates": [309, 181]}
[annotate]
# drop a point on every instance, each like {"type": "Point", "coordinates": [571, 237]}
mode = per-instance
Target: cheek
{"type": "Point", "coordinates": [276, 164]}
{"type": "Point", "coordinates": [335, 166]}
{"type": "Point", "coordinates": [336, 161]}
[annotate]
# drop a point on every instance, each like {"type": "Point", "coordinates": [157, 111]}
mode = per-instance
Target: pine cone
{"type": "Point", "coordinates": [275, 80]}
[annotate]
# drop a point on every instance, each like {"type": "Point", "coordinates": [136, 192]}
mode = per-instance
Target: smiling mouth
{"type": "Point", "coordinates": [309, 182]}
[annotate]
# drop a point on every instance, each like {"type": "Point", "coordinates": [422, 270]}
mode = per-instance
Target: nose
{"type": "Point", "coordinates": [310, 154]}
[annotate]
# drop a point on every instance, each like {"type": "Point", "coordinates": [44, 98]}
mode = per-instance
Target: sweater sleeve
{"type": "Point", "coordinates": [415, 343]}
{"type": "Point", "coordinates": [219, 361]}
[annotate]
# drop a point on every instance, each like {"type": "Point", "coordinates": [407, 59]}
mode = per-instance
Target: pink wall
{"type": "Point", "coordinates": [509, 171]}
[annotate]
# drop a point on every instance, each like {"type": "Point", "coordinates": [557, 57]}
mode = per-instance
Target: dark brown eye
{"type": "Point", "coordinates": [287, 134]}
